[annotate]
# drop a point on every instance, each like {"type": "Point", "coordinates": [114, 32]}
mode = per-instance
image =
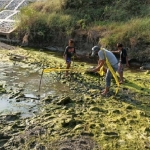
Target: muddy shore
{"type": "Point", "coordinates": [76, 116]}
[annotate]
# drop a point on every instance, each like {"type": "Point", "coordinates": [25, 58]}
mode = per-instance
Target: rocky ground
{"type": "Point", "coordinates": [80, 118]}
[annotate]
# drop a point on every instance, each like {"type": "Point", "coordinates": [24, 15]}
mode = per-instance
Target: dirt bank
{"type": "Point", "coordinates": [6, 46]}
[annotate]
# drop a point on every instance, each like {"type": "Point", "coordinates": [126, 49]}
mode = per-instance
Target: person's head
{"type": "Point", "coordinates": [71, 42]}
{"type": "Point", "coordinates": [95, 50]}
{"type": "Point", "coordinates": [119, 46]}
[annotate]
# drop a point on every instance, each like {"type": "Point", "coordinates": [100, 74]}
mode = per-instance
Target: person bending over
{"type": "Point", "coordinates": [103, 53]}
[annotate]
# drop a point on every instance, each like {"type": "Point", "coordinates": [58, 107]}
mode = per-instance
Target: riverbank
{"type": "Point", "coordinates": [77, 116]}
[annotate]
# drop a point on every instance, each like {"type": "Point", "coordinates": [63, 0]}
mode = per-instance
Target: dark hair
{"type": "Point", "coordinates": [71, 41]}
{"type": "Point", "coordinates": [119, 45]}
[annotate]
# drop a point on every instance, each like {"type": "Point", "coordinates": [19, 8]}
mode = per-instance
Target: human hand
{"type": "Point", "coordinates": [95, 69]}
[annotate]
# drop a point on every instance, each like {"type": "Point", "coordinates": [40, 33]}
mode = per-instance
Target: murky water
{"type": "Point", "coordinates": [27, 79]}
{"type": "Point", "coordinates": [24, 107]}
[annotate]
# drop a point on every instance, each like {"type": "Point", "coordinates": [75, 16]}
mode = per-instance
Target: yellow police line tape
{"type": "Point", "coordinates": [47, 70]}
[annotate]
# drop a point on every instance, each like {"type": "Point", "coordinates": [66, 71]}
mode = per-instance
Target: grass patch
{"type": "Point", "coordinates": [116, 22]}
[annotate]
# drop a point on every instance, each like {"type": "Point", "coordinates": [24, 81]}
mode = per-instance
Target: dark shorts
{"type": "Point", "coordinates": [68, 60]}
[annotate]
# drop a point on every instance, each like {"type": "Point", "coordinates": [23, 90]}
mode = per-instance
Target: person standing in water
{"type": "Point", "coordinates": [69, 53]}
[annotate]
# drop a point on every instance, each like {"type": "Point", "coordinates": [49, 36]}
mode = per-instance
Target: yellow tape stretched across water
{"type": "Point", "coordinates": [101, 72]}
{"type": "Point", "coordinates": [47, 70]}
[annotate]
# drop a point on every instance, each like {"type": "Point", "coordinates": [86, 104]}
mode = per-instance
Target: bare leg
{"type": "Point", "coordinates": [120, 71]}
{"type": "Point", "coordinates": [106, 90]}
{"type": "Point", "coordinates": [121, 77]}
{"type": "Point", "coordinates": [68, 66]}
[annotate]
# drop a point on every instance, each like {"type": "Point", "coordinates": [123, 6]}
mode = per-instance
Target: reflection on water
{"type": "Point", "coordinates": [24, 107]}
{"type": "Point", "coordinates": [26, 78]}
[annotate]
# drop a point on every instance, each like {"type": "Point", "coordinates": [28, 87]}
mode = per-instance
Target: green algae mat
{"type": "Point", "coordinates": [113, 122]}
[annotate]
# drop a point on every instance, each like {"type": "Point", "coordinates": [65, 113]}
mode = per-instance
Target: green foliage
{"type": "Point", "coordinates": [81, 23]}
{"type": "Point", "coordinates": [122, 19]}
{"type": "Point", "coordinates": [58, 20]}
{"type": "Point", "coordinates": [137, 28]}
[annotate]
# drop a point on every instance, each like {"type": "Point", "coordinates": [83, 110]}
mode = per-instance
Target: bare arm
{"type": "Point", "coordinates": [75, 54]}
{"type": "Point", "coordinates": [100, 64]}
{"type": "Point", "coordinates": [115, 51]}
{"type": "Point", "coordinates": [65, 53]}
{"type": "Point", "coordinates": [65, 57]}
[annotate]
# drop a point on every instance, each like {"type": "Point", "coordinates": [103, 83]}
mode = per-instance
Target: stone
{"type": "Point", "coordinates": [64, 101]}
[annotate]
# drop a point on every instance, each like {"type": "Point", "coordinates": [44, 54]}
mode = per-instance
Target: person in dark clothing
{"type": "Point", "coordinates": [123, 60]}
{"type": "Point", "coordinates": [69, 53]}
